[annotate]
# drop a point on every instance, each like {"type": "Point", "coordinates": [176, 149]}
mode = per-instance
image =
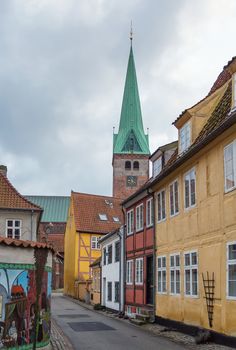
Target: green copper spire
{"type": "Point", "coordinates": [131, 137]}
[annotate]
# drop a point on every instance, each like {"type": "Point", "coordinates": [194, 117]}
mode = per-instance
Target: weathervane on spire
{"type": "Point", "coordinates": [131, 33]}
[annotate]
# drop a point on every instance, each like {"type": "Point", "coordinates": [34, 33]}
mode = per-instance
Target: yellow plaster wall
{"type": "Point", "coordinates": [70, 253]}
{"type": "Point", "coordinates": [206, 228]}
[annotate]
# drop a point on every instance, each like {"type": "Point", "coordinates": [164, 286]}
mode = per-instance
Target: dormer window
{"type": "Point", "coordinates": [184, 137]}
{"type": "Point", "coordinates": [103, 217]}
{"type": "Point", "coordinates": [157, 166]}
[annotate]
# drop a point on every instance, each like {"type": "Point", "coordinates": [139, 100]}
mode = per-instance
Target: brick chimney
{"type": "Point", "coordinates": [3, 170]}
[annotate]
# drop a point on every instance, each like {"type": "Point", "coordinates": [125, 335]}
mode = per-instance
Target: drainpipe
{"type": "Point", "coordinates": [121, 238]}
{"type": "Point", "coordinates": [32, 212]}
{"type": "Point", "coordinates": [150, 191]}
{"type": "Point", "coordinates": [124, 259]}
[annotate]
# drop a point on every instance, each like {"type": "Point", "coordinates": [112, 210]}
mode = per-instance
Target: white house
{"type": "Point", "coordinates": [112, 265]}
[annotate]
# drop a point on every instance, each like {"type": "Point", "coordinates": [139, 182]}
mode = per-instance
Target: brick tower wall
{"type": "Point", "coordinates": [120, 188]}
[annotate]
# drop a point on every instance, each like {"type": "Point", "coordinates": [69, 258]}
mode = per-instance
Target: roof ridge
{"type": "Point", "coordinates": [7, 181]}
{"type": "Point", "coordinates": [95, 195]}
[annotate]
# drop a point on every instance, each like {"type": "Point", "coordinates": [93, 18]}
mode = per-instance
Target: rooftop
{"type": "Point", "coordinates": [55, 208]}
{"type": "Point", "coordinates": [89, 207]}
{"type": "Point", "coordinates": [10, 198]}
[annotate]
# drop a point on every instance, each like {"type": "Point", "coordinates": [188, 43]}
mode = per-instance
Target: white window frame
{"type": "Point", "coordinates": [157, 166]}
{"type": "Point", "coordinates": [13, 227]}
{"type": "Point", "coordinates": [229, 262]}
{"type": "Point", "coordinates": [233, 145]}
{"type": "Point", "coordinates": [95, 245]}
{"type": "Point", "coordinates": [149, 212]}
{"type": "Point", "coordinates": [139, 217]}
{"type": "Point", "coordinates": [130, 222]}
{"type": "Point", "coordinates": [175, 268]}
{"type": "Point", "coordinates": [172, 186]}
{"type": "Point", "coordinates": [187, 176]}
{"type": "Point", "coordinates": [191, 267]}
{"type": "Point", "coordinates": [160, 205]}
{"type": "Point", "coordinates": [139, 271]}
{"type": "Point", "coordinates": [161, 269]}
{"type": "Point", "coordinates": [129, 272]}
{"type": "Point", "coordinates": [184, 137]}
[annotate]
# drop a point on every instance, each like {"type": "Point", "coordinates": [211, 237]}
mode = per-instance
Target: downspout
{"type": "Point", "coordinates": [154, 254]}
{"type": "Point", "coordinates": [32, 212]}
{"type": "Point", "coordinates": [124, 259]}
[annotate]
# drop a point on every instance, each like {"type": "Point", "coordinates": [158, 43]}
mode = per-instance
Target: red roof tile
{"type": "Point", "coordinates": [24, 244]}
{"type": "Point", "coordinates": [10, 198]}
{"type": "Point", "coordinates": [87, 208]}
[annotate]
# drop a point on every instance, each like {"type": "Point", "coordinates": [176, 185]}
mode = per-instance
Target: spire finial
{"type": "Point", "coordinates": [131, 33]}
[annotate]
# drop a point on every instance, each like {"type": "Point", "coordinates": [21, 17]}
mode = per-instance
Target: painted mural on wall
{"type": "Point", "coordinates": [17, 306]}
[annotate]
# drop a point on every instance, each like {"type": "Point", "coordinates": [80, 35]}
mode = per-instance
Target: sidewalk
{"type": "Point", "coordinates": [59, 340]}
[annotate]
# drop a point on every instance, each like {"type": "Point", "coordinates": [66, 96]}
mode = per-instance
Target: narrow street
{"type": "Point", "coordinates": [87, 329]}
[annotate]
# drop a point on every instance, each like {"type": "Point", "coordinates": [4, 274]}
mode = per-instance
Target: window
{"type": "Point", "coordinates": [161, 206]}
{"type": "Point", "coordinates": [231, 270]}
{"type": "Point", "coordinates": [13, 229]}
{"type": "Point", "coordinates": [117, 292]}
{"type": "Point", "coordinates": [184, 137]}
{"type": "Point", "coordinates": [230, 166]}
{"type": "Point", "coordinates": [109, 291]}
{"type": "Point", "coordinates": [109, 254]}
{"type": "Point", "coordinates": [127, 165]}
{"type": "Point", "coordinates": [139, 271]}
{"type": "Point", "coordinates": [149, 212]}
{"type": "Point", "coordinates": [116, 219]}
{"type": "Point", "coordinates": [117, 251]}
{"type": "Point", "coordinates": [175, 274]}
{"type": "Point", "coordinates": [157, 166]}
{"type": "Point", "coordinates": [129, 272]}
{"type": "Point", "coordinates": [136, 165]}
{"type": "Point", "coordinates": [94, 242]}
{"type": "Point", "coordinates": [104, 256]}
{"type": "Point", "coordinates": [130, 222]}
{"type": "Point", "coordinates": [191, 273]}
{"type": "Point", "coordinates": [139, 217]}
{"type": "Point", "coordinates": [174, 198]}
{"type": "Point", "coordinates": [103, 217]}
{"type": "Point", "coordinates": [190, 189]}
{"type": "Point", "coordinates": [161, 274]}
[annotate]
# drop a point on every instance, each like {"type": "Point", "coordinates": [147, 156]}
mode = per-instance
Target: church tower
{"type": "Point", "coordinates": [130, 144]}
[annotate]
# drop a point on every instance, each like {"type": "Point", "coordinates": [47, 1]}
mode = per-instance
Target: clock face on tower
{"type": "Point", "coordinates": [131, 181]}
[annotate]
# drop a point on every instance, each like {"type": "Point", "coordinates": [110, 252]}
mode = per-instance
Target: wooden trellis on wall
{"type": "Point", "coordinates": [209, 288]}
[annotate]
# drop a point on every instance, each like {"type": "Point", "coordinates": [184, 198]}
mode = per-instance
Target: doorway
{"type": "Point", "coordinates": [150, 279]}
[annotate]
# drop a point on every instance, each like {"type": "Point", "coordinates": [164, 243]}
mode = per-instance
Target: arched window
{"type": "Point", "coordinates": [127, 165]}
{"type": "Point", "coordinates": [136, 165]}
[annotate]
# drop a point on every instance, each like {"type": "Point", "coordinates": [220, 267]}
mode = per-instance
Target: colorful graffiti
{"type": "Point", "coordinates": [17, 306]}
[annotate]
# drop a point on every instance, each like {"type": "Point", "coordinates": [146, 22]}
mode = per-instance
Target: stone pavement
{"type": "Point", "coordinates": [59, 341]}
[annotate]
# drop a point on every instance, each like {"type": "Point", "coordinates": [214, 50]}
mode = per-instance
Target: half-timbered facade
{"type": "Point", "coordinates": [90, 217]}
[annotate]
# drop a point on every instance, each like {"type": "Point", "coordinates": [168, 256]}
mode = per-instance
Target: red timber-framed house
{"type": "Point", "coordinates": [139, 242]}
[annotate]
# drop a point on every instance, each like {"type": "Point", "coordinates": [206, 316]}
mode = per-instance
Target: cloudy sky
{"type": "Point", "coordinates": [62, 72]}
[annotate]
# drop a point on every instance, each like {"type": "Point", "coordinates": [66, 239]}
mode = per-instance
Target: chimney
{"type": "Point", "coordinates": [3, 170]}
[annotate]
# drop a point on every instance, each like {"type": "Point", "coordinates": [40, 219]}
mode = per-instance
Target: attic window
{"type": "Point", "coordinates": [116, 219]}
{"type": "Point", "coordinates": [157, 166]}
{"type": "Point", "coordinates": [184, 137]}
{"type": "Point", "coordinates": [103, 217]}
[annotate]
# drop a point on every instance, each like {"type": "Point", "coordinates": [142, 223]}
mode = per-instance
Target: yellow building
{"type": "Point", "coordinates": [90, 217]}
{"type": "Point", "coordinates": [195, 200]}
{"type": "Point", "coordinates": [96, 282]}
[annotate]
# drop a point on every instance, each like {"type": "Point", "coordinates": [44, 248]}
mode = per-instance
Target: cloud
{"type": "Point", "coordinates": [62, 76]}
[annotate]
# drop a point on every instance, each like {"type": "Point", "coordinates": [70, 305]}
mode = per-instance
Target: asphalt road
{"type": "Point", "coordinates": [87, 329]}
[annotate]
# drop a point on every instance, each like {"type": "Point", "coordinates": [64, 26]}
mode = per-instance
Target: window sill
{"type": "Point", "coordinates": [162, 293]}
{"type": "Point", "coordinates": [173, 215]}
{"type": "Point", "coordinates": [129, 234]}
{"type": "Point", "coordinates": [190, 208]}
{"type": "Point", "coordinates": [191, 296]}
{"type": "Point", "coordinates": [129, 284]}
{"type": "Point", "coordinates": [160, 221]}
{"type": "Point", "coordinates": [149, 226]}
{"type": "Point", "coordinates": [231, 298]}
{"type": "Point", "coordinates": [139, 230]}
{"type": "Point", "coordinates": [230, 190]}
{"type": "Point", "coordinates": [139, 283]}
{"type": "Point", "coordinates": [175, 294]}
